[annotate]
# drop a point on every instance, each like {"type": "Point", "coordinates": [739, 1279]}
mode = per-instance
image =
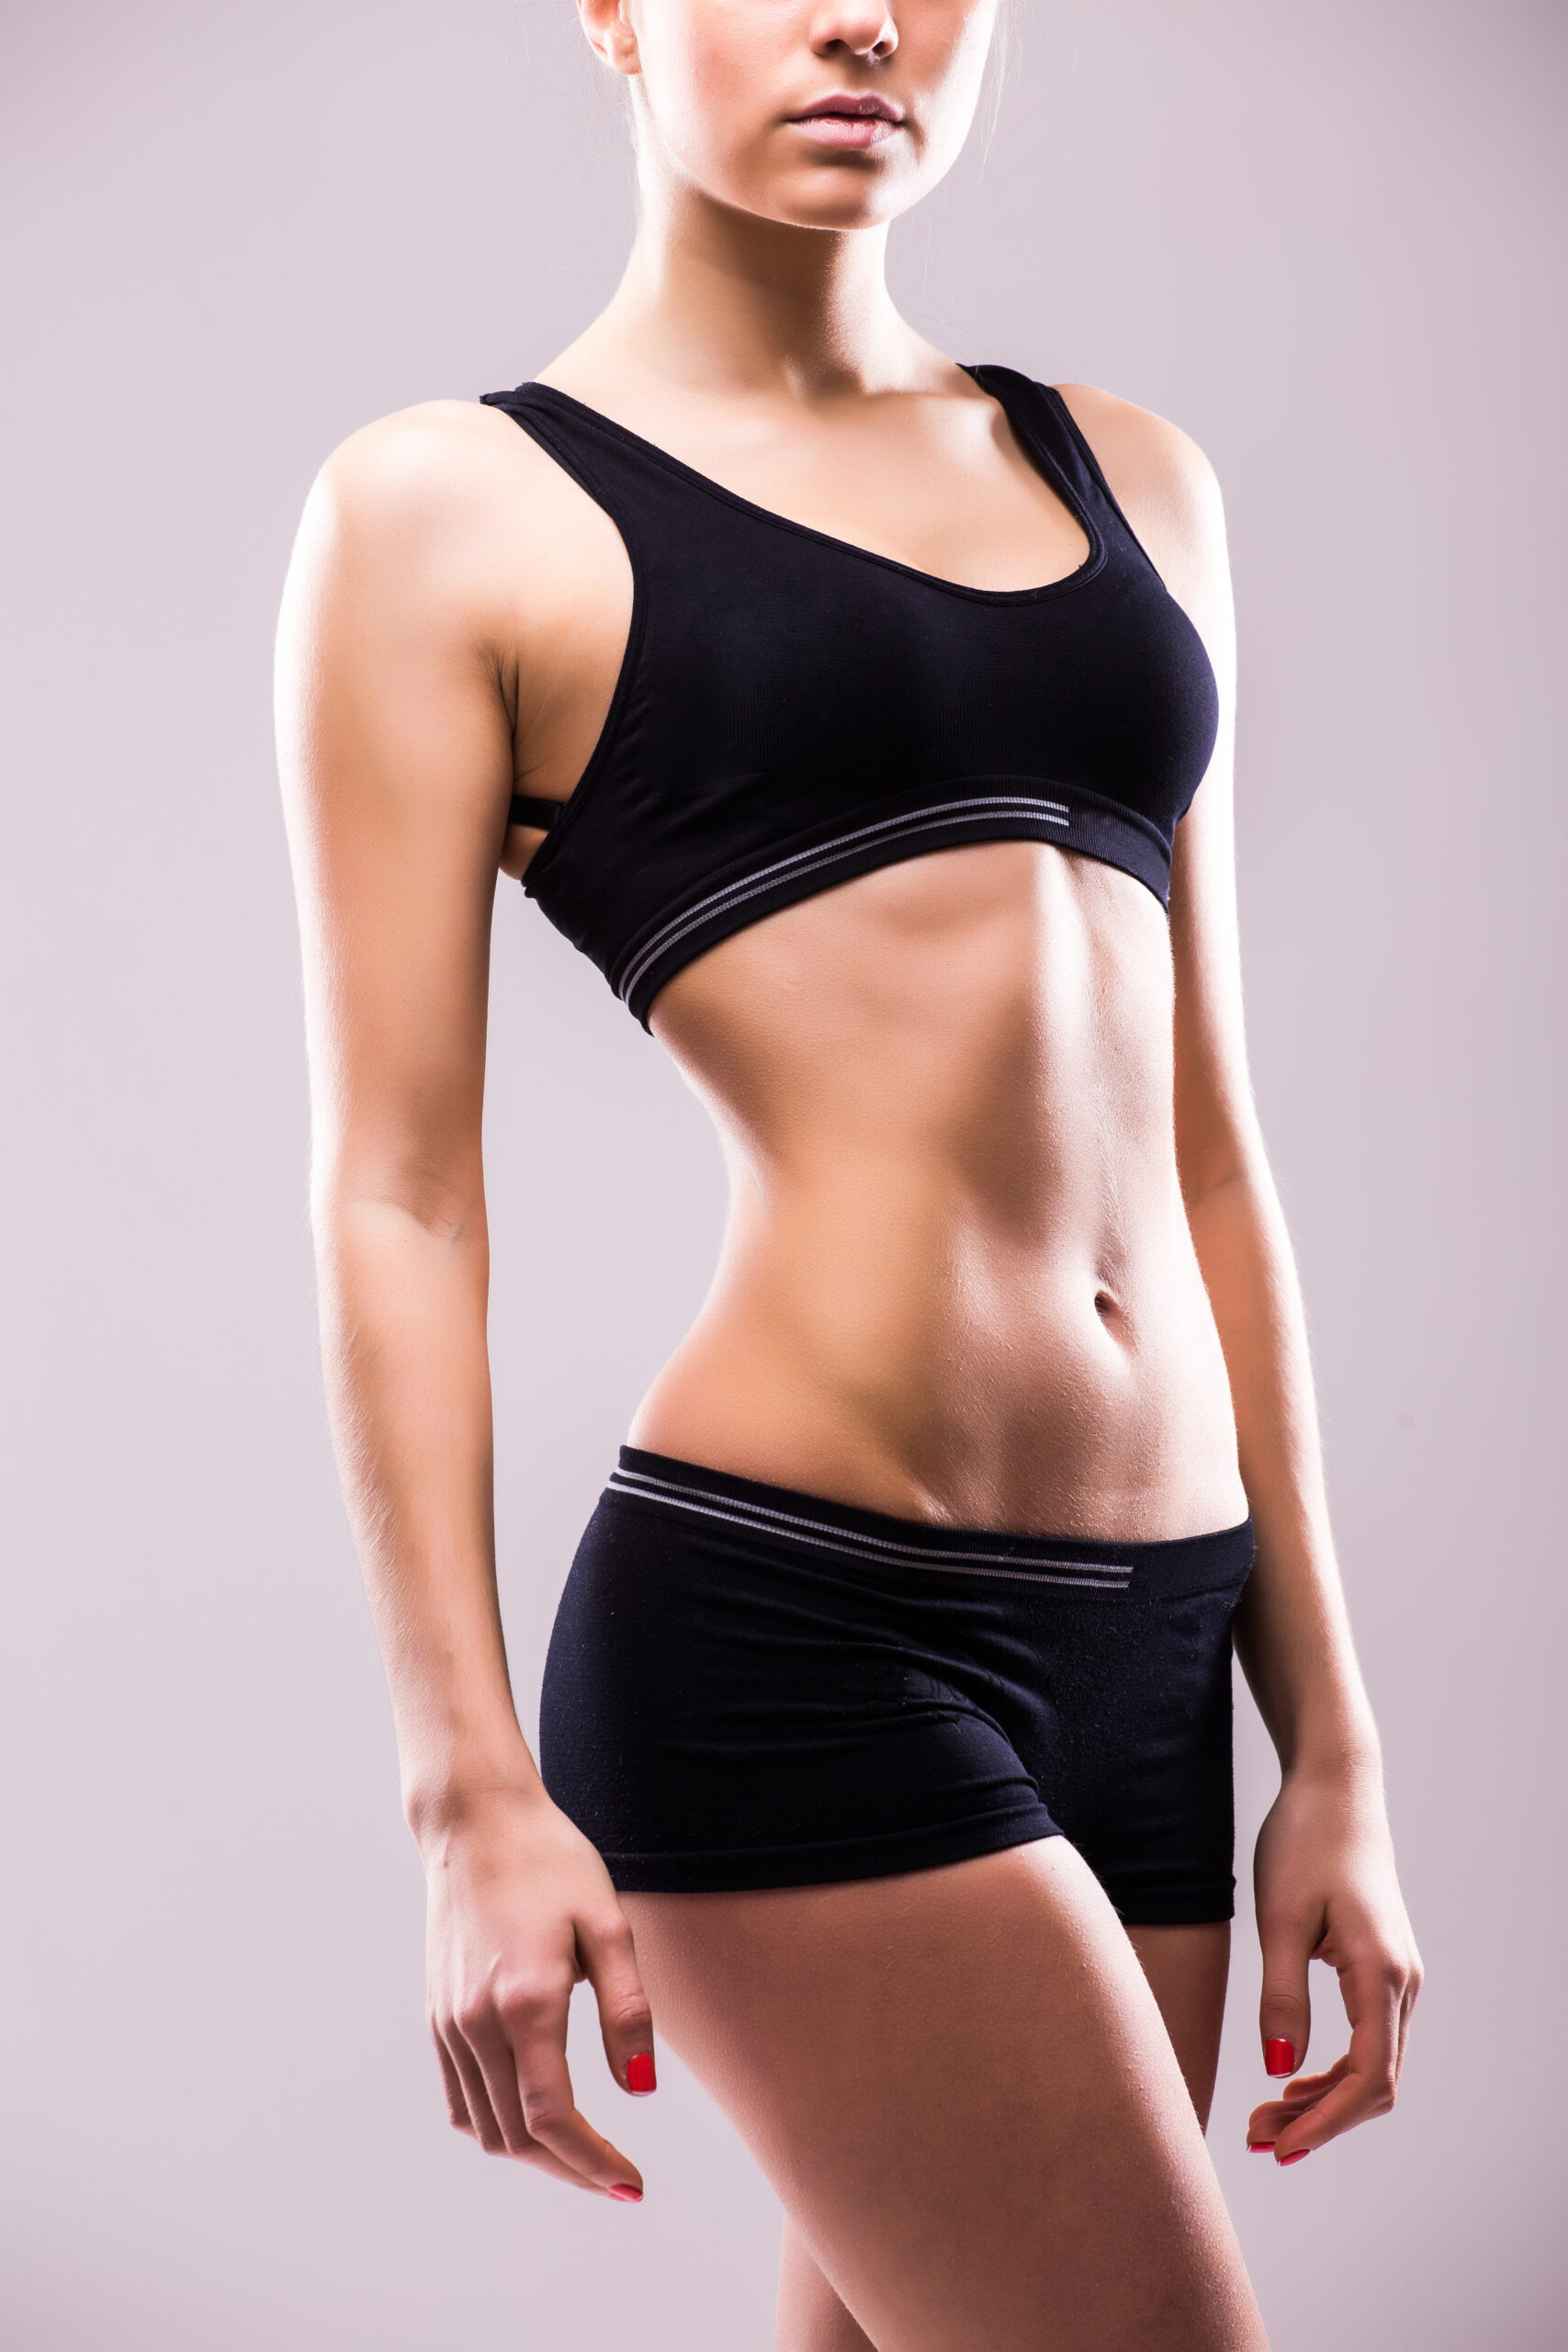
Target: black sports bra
{"type": "Point", "coordinates": [792, 710]}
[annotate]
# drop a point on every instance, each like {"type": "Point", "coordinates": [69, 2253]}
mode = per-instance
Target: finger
{"type": "Point", "coordinates": [1302, 2089]}
{"type": "Point", "coordinates": [475, 2099]}
{"type": "Point", "coordinates": [626, 2020]}
{"type": "Point", "coordinates": [1270, 2118]}
{"type": "Point", "coordinates": [491, 2051]}
{"type": "Point", "coordinates": [471, 2076]}
{"type": "Point", "coordinates": [451, 2083]}
{"type": "Point", "coordinates": [1284, 2012]}
{"type": "Point", "coordinates": [536, 2026]}
{"type": "Point", "coordinates": [1367, 2086]}
{"type": "Point", "coordinates": [1275, 2115]}
{"type": "Point", "coordinates": [1407, 2009]}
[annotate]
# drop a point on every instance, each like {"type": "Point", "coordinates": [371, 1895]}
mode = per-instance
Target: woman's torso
{"type": "Point", "coordinates": [958, 1281]}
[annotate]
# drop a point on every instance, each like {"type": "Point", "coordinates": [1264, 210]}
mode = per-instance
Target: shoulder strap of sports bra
{"type": "Point", "coordinates": [613, 467]}
{"type": "Point", "coordinates": [592, 456]}
{"type": "Point", "coordinates": [1051, 422]}
{"type": "Point", "coordinates": [1038, 413]}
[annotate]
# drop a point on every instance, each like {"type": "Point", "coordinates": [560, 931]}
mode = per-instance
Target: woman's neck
{"type": "Point", "coordinates": [715, 298]}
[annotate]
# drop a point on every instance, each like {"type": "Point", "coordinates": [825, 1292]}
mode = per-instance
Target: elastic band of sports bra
{"type": "Point", "coordinates": [940, 815]}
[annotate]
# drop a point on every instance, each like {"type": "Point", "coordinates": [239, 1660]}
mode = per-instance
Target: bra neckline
{"type": "Point", "coordinates": [1043, 458]}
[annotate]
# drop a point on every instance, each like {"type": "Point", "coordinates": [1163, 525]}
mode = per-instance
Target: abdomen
{"type": "Point", "coordinates": [958, 1283]}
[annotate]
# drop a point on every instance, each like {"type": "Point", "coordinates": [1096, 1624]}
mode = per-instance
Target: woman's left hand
{"type": "Point", "coordinates": [1328, 1890]}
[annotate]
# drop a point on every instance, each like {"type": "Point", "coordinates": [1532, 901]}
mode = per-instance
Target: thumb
{"type": "Point", "coordinates": [1284, 2013]}
{"type": "Point", "coordinates": [626, 2020]}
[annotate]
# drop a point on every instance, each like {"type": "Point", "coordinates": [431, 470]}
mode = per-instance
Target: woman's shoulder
{"type": "Point", "coordinates": [422, 465]}
{"type": "Point", "coordinates": [445, 506]}
{"type": "Point", "coordinates": [1136, 441]}
{"type": "Point", "coordinates": [1159, 476]}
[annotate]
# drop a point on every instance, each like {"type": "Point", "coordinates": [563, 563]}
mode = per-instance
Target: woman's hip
{"type": "Point", "coordinates": [750, 1687]}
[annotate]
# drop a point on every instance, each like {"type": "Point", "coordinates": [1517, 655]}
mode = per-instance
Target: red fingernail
{"type": "Point", "coordinates": [640, 2076]}
{"type": "Point", "coordinates": [626, 2195]}
{"type": "Point", "coordinates": [1278, 2058]}
{"type": "Point", "coordinates": [1299, 2158]}
{"type": "Point", "coordinates": [1261, 2147]}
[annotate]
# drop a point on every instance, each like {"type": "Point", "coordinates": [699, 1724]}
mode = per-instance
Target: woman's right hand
{"type": "Point", "coordinates": [521, 1909]}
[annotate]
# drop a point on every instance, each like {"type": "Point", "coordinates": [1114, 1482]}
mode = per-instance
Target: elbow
{"type": "Point", "coordinates": [1200, 1189]}
{"type": "Point", "coordinates": [1231, 1161]}
{"type": "Point", "coordinates": [424, 1195]}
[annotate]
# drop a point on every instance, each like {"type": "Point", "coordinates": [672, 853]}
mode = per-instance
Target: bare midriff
{"type": "Point", "coordinates": [957, 1283]}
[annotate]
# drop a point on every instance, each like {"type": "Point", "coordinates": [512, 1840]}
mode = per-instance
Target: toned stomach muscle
{"type": "Point", "coordinates": [957, 1283]}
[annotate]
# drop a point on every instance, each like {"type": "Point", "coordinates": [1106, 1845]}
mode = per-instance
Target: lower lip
{"type": "Point", "coordinates": [845, 130]}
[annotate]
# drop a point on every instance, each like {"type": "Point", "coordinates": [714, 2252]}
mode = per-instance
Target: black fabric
{"type": "Point", "coordinates": [527, 810]}
{"type": "Point", "coordinates": [792, 710]}
{"type": "Point", "coordinates": [747, 1686]}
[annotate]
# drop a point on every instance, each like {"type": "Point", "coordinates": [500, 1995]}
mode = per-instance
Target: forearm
{"type": "Point", "coordinates": [1292, 1633]}
{"type": "Point", "coordinates": [404, 1305]}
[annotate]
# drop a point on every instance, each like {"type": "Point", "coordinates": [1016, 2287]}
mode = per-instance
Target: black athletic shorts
{"type": "Point", "coordinates": [749, 1686]}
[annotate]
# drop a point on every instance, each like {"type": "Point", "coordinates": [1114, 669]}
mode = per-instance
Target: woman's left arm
{"type": "Point", "coordinates": [1324, 1872]}
{"type": "Point", "coordinates": [1326, 1887]}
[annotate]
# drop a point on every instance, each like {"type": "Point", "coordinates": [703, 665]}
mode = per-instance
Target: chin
{"type": "Point", "coordinates": [847, 213]}
{"type": "Point", "coordinates": [829, 197]}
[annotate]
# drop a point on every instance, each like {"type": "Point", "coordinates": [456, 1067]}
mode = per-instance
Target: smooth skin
{"type": "Point", "coordinates": [983, 2137]}
{"type": "Point", "coordinates": [1003, 1251]}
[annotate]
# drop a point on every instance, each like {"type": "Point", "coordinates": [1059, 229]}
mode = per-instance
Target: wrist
{"type": "Point", "coordinates": [453, 1805]}
{"type": "Point", "coordinates": [1339, 1755]}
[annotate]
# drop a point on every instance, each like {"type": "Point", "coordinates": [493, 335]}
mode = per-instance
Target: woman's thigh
{"type": "Point", "coordinates": [1187, 1969]}
{"type": "Point", "coordinates": [960, 2087]}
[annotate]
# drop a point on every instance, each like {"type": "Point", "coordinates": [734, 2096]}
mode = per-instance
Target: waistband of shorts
{"type": "Point", "coordinates": [842, 1533]}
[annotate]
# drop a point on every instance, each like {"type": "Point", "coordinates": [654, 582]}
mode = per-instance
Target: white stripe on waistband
{"type": "Point", "coordinates": [852, 1544]}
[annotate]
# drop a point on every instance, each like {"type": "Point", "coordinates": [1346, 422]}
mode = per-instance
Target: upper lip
{"type": "Point", "coordinates": [860, 102]}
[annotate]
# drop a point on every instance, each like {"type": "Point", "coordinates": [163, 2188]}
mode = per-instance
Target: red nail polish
{"type": "Point", "coordinates": [1299, 2158]}
{"type": "Point", "coordinates": [1261, 2147]}
{"type": "Point", "coordinates": [1278, 2058]}
{"type": "Point", "coordinates": [640, 2076]}
{"type": "Point", "coordinates": [624, 2194]}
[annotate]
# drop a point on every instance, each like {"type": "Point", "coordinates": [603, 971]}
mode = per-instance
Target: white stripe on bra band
{"type": "Point", "coordinates": [1053, 812]}
{"type": "Point", "coordinates": [853, 1544]}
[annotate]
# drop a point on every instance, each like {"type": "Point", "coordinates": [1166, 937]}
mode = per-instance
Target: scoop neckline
{"type": "Point", "coordinates": [1044, 459]}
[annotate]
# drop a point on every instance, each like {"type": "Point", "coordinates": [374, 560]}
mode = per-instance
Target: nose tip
{"type": "Point", "coordinates": [866, 31]}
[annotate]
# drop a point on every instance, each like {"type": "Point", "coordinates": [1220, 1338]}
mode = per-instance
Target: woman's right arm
{"type": "Point", "coordinates": [395, 747]}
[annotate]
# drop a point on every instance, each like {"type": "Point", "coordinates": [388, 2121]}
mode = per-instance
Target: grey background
{"type": "Point", "coordinates": [1326, 240]}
